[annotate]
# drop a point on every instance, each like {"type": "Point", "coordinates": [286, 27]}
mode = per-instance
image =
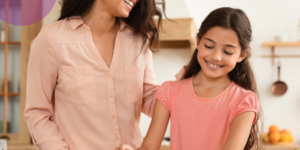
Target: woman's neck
{"type": "Point", "coordinates": [210, 83]}
{"type": "Point", "coordinates": [99, 20]}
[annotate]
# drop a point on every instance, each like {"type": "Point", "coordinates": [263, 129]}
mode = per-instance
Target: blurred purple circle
{"type": "Point", "coordinates": [24, 12]}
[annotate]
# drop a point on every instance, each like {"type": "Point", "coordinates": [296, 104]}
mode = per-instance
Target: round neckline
{"type": "Point", "coordinates": [210, 98]}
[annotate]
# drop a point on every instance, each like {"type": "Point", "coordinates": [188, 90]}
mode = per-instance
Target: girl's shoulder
{"type": "Point", "coordinates": [240, 96]}
{"type": "Point", "coordinates": [178, 84]}
{"type": "Point", "coordinates": [240, 91]}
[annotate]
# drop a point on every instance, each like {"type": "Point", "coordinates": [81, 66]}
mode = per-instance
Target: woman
{"type": "Point", "coordinates": [90, 75]}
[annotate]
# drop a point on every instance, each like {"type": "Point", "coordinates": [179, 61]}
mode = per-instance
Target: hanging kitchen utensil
{"type": "Point", "coordinates": [279, 87]}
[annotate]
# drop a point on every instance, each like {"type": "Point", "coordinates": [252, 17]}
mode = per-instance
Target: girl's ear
{"type": "Point", "coordinates": [243, 56]}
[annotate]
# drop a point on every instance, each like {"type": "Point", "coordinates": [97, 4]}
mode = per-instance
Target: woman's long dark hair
{"type": "Point", "coordinates": [242, 74]}
{"type": "Point", "coordinates": [141, 17]}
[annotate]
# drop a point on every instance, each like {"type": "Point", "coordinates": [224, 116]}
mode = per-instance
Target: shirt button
{"type": "Point", "coordinates": [117, 137]}
{"type": "Point", "coordinates": [113, 116]}
{"type": "Point", "coordinates": [111, 96]}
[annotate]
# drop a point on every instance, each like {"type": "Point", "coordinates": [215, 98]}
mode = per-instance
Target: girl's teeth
{"type": "Point", "coordinates": [213, 65]}
{"type": "Point", "coordinates": [129, 2]}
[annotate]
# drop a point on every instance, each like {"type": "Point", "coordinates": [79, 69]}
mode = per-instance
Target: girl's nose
{"type": "Point", "coordinates": [216, 55]}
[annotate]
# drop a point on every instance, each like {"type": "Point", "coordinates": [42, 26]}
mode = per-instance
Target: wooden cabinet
{"type": "Point", "coordinates": [14, 52]}
{"type": "Point", "coordinates": [178, 33]}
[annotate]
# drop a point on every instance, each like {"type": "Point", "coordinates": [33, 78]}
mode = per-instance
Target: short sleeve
{"type": "Point", "coordinates": [164, 93]}
{"type": "Point", "coordinates": [248, 103]}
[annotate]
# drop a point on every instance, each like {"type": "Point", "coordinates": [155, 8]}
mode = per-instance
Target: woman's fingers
{"type": "Point", "coordinates": [124, 147]}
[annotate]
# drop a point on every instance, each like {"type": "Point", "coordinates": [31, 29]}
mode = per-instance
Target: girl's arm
{"type": "Point", "coordinates": [239, 131]}
{"type": "Point", "coordinates": [157, 128]}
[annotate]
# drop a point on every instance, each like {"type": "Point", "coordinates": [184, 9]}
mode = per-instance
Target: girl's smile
{"type": "Point", "coordinates": [212, 65]}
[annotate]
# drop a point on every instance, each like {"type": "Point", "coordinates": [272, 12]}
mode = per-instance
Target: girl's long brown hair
{"type": "Point", "coordinates": [242, 74]}
{"type": "Point", "coordinates": [141, 17]}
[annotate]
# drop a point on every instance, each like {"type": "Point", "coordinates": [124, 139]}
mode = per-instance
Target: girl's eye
{"type": "Point", "coordinates": [208, 47]}
{"type": "Point", "coordinates": [227, 53]}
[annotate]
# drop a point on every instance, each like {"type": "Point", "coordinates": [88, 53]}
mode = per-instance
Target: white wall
{"type": "Point", "coordinates": [177, 9]}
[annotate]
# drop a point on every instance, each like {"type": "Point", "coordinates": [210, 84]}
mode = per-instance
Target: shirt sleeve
{"type": "Point", "coordinates": [248, 103]}
{"type": "Point", "coordinates": [41, 80]}
{"type": "Point", "coordinates": [164, 94]}
{"type": "Point", "coordinates": [150, 85]}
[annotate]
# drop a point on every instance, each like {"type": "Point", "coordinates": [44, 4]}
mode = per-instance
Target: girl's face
{"type": "Point", "coordinates": [218, 52]}
{"type": "Point", "coordinates": [118, 8]}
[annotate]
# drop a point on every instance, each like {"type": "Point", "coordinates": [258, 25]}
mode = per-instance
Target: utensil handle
{"type": "Point", "coordinates": [278, 73]}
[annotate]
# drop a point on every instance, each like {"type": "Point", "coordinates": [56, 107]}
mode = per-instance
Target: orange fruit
{"type": "Point", "coordinates": [265, 137]}
{"type": "Point", "coordinates": [284, 137]}
{"type": "Point", "coordinates": [286, 131]}
{"type": "Point", "coordinates": [273, 128]}
{"type": "Point", "coordinates": [274, 137]}
{"type": "Point", "coordinates": [291, 138]}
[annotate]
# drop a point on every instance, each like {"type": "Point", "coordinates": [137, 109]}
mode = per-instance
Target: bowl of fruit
{"type": "Point", "coordinates": [278, 137]}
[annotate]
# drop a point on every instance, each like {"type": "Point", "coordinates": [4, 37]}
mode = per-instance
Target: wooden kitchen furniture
{"type": "Point", "coordinates": [178, 33]}
{"type": "Point", "coordinates": [281, 147]}
{"type": "Point", "coordinates": [265, 147]}
{"type": "Point", "coordinates": [14, 53]}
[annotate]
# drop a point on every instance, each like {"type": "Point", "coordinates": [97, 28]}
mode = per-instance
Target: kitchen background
{"type": "Point", "coordinates": [269, 18]}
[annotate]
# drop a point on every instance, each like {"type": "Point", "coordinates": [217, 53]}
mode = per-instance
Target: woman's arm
{"type": "Point", "coordinates": [239, 131]}
{"type": "Point", "coordinates": [41, 82]}
{"type": "Point", "coordinates": [150, 85]}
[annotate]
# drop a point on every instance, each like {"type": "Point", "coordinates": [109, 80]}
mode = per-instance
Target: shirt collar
{"type": "Point", "coordinates": [76, 22]}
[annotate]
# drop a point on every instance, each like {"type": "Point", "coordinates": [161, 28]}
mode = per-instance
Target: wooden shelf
{"type": "Point", "coordinates": [10, 94]}
{"type": "Point", "coordinates": [21, 147]}
{"type": "Point", "coordinates": [280, 44]}
{"type": "Point", "coordinates": [178, 33]}
{"type": "Point", "coordinates": [272, 45]}
{"type": "Point", "coordinates": [280, 147]}
{"type": "Point", "coordinates": [11, 43]}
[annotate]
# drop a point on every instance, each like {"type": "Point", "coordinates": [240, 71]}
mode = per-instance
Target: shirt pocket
{"type": "Point", "coordinates": [134, 84]}
{"type": "Point", "coordinates": [79, 84]}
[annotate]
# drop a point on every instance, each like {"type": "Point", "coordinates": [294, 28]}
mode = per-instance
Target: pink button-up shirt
{"type": "Point", "coordinates": [74, 101]}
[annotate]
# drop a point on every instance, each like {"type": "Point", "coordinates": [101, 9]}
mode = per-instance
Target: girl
{"type": "Point", "coordinates": [214, 106]}
{"type": "Point", "coordinates": [94, 67]}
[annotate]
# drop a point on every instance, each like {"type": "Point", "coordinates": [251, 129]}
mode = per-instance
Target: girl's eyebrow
{"type": "Point", "coordinates": [210, 40]}
{"type": "Point", "coordinates": [227, 45]}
